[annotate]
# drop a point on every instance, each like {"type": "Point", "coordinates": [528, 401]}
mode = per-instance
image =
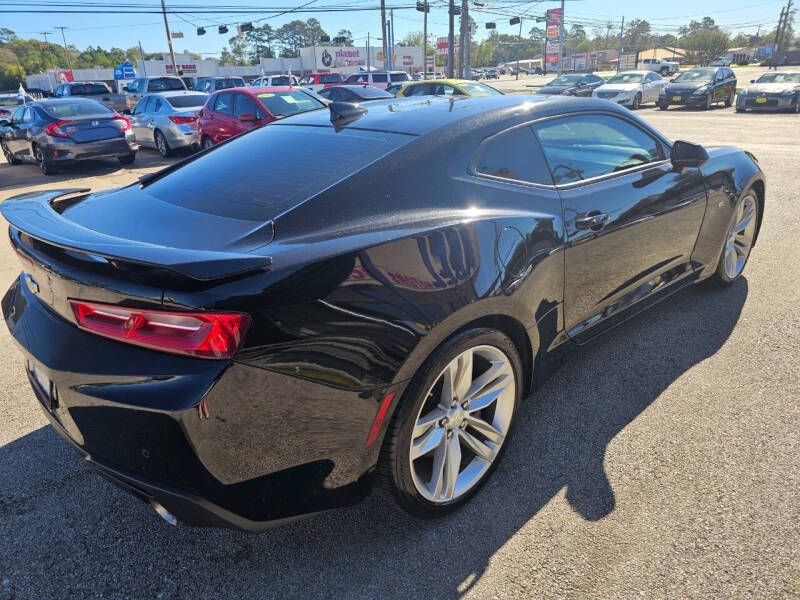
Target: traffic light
{"type": "Point", "coordinates": [339, 40]}
{"type": "Point", "coordinates": [244, 27]}
{"type": "Point", "coordinates": [423, 6]}
{"type": "Point", "coordinates": [223, 29]}
{"type": "Point", "coordinates": [514, 21]}
{"type": "Point", "coordinates": [456, 10]}
{"type": "Point", "coordinates": [201, 31]}
{"type": "Point", "coordinates": [325, 38]}
{"type": "Point", "coordinates": [491, 26]}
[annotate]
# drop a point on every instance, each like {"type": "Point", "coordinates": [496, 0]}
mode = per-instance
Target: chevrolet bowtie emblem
{"type": "Point", "coordinates": [31, 283]}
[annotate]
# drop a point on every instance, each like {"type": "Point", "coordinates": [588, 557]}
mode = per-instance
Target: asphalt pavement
{"type": "Point", "coordinates": [662, 461]}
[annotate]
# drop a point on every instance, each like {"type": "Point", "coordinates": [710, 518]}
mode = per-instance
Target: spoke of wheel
{"type": "Point", "coordinates": [426, 422]}
{"type": "Point", "coordinates": [437, 476]}
{"type": "Point", "coordinates": [480, 449]}
{"type": "Point", "coordinates": [741, 248]}
{"type": "Point", "coordinates": [496, 368]}
{"type": "Point", "coordinates": [731, 260]}
{"type": "Point", "coordinates": [427, 442]}
{"type": "Point", "coordinates": [489, 393]}
{"type": "Point", "coordinates": [484, 428]}
{"type": "Point", "coordinates": [452, 466]}
{"type": "Point", "coordinates": [463, 375]}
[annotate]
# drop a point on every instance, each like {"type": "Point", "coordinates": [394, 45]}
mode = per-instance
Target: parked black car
{"type": "Point", "coordinates": [572, 84]}
{"type": "Point", "coordinates": [248, 361]}
{"type": "Point", "coordinates": [701, 88]}
{"type": "Point", "coordinates": [354, 93]}
{"type": "Point", "coordinates": [61, 131]}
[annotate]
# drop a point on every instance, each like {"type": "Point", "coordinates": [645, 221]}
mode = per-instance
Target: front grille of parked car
{"type": "Point", "coordinates": [769, 102]}
{"type": "Point", "coordinates": [606, 94]}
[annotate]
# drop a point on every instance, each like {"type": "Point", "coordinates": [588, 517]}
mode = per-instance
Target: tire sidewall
{"type": "Point", "coordinates": [160, 136]}
{"type": "Point", "coordinates": [721, 275]}
{"type": "Point", "coordinates": [406, 414]}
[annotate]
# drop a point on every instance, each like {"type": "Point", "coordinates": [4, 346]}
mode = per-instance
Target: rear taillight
{"type": "Point", "coordinates": [182, 120]}
{"type": "Point", "coordinates": [202, 334]}
{"type": "Point", "coordinates": [126, 122]}
{"type": "Point", "coordinates": [54, 129]}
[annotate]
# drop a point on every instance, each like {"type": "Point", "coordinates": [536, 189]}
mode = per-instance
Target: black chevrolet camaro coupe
{"type": "Point", "coordinates": [261, 332]}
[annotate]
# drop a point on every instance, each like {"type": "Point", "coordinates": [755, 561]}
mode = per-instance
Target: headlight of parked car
{"type": "Point", "coordinates": [699, 91]}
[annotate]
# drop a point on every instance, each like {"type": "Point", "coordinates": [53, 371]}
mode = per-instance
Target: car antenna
{"type": "Point", "coordinates": [344, 113]}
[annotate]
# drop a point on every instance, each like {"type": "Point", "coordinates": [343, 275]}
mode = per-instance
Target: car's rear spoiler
{"type": "Point", "coordinates": [38, 215]}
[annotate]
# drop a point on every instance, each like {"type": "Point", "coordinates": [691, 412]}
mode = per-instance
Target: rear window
{"type": "Point", "coordinates": [284, 104]}
{"type": "Point", "coordinates": [379, 78]}
{"type": "Point", "coordinates": [188, 101]}
{"type": "Point", "coordinates": [373, 92]}
{"type": "Point", "coordinates": [165, 84]}
{"type": "Point", "coordinates": [76, 109]}
{"type": "Point", "coordinates": [330, 78]}
{"type": "Point", "coordinates": [231, 82]}
{"type": "Point", "coordinates": [479, 89]}
{"type": "Point", "coordinates": [89, 89]}
{"type": "Point", "coordinates": [283, 80]}
{"type": "Point", "coordinates": [395, 77]}
{"type": "Point", "coordinates": [231, 181]}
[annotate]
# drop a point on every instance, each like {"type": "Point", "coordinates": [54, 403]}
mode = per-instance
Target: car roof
{"type": "Point", "coordinates": [449, 80]}
{"type": "Point", "coordinates": [422, 115]}
{"type": "Point", "coordinates": [274, 88]}
{"type": "Point", "coordinates": [70, 100]}
{"type": "Point", "coordinates": [173, 93]}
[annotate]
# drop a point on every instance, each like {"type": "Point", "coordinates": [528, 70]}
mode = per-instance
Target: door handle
{"type": "Point", "coordinates": [594, 220]}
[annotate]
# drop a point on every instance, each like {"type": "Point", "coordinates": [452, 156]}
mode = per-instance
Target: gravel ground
{"type": "Point", "coordinates": [662, 461]}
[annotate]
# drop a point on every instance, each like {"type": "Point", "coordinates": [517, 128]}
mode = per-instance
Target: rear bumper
{"type": "Point", "coordinates": [182, 136]}
{"type": "Point", "coordinates": [67, 150]}
{"type": "Point", "coordinates": [217, 443]}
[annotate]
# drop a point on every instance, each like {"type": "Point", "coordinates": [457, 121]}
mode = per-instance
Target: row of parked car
{"type": "Point", "coordinates": [74, 126]}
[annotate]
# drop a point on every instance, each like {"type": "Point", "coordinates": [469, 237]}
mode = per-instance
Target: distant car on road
{"type": "Point", "coordinates": [380, 80]}
{"type": "Point", "coordinates": [447, 87]}
{"type": "Point", "coordinates": [168, 121]}
{"type": "Point", "coordinates": [775, 91]}
{"type": "Point", "coordinates": [96, 90]}
{"type": "Point", "coordinates": [229, 113]}
{"type": "Point", "coordinates": [64, 130]}
{"type": "Point", "coordinates": [214, 84]}
{"type": "Point", "coordinates": [661, 66]}
{"type": "Point", "coordinates": [632, 88]}
{"type": "Point", "coordinates": [492, 74]}
{"type": "Point", "coordinates": [572, 84]}
{"type": "Point", "coordinates": [354, 93]}
{"type": "Point", "coordinates": [700, 87]}
{"type": "Point", "coordinates": [722, 61]}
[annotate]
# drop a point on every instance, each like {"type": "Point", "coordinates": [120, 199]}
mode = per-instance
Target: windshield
{"type": "Point", "coordinates": [696, 75]}
{"type": "Point", "coordinates": [163, 84]}
{"type": "Point", "coordinates": [281, 80]}
{"type": "Point", "coordinates": [63, 110]}
{"type": "Point", "coordinates": [395, 77]}
{"type": "Point", "coordinates": [283, 104]}
{"type": "Point", "coordinates": [330, 78]}
{"type": "Point", "coordinates": [626, 78]}
{"type": "Point", "coordinates": [779, 78]}
{"type": "Point", "coordinates": [228, 82]}
{"type": "Point", "coordinates": [188, 101]}
{"type": "Point", "coordinates": [479, 89]}
{"type": "Point", "coordinates": [88, 89]}
{"type": "Point", "coordinates": [566, 80]}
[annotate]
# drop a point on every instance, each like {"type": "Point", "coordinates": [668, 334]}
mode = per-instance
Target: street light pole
{"type": "Point", "coordinates": [425, 40]}
{"type": "Point", "coordinates": [561, 40]}
{"type": "Point", "coordinates": [450, 50]}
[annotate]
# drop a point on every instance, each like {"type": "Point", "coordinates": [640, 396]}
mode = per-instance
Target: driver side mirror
{"type": "Point", "coordinates": [687, 154]}
{"type": "Point", "coordinates": [247, 117]}
{"type": "Point", "coordinates": [752, 81]}
{"type": "Point", "coordinates": [3, 123]}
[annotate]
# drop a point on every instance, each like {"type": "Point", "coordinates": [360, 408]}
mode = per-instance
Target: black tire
{"type": "Point", "coordinates": [394, 465]}
{"type": "Point", "coordinates": [46, 166]}
{"type": "Point", "coordinates": [637, 102]}
{"type": "Point", "coordinates": [206, 142]}
{"type": "Point", "coordinates": [720, 278]}
{"type": "Point", "coordinates": [663, 106]}
{"type": "Point", "coordinates": [127, 159]}
{"type": "Point", "coordinates": [709, 101]}
{"type": "Point", "coordinates": [664, 71]}
{"type": "Point", "coordinates": [795, 108]}
{"type": "Point", "coordinates": [10, 158]}
{"type": "Point", "coordinates": [739, 109]}
{"type": "Point", "coordinates": [161, 144]}
{"type": "Point", "coordinates": [731, 98]}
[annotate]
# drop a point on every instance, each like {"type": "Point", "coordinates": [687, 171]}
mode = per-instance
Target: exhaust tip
{"type": "Point", "coordinates": [164, 513]}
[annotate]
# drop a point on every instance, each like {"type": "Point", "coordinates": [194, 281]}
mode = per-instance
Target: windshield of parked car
{"type": "Point", "coordinates": [89, 89]}
{"type": "Point", "coordinates": [479, 89]}
{"type": "Point", "coordinates": [330, 78]}
{"type": "Point", "coordinates": [566, 80]}
{"type": "Point", "coordinates": [188, 101]}
{"type": "Point", "coordinates": [165, 84]}
{"type": "Point", "coordinates": [696, 75]}
{"type": "Point", "coordinates": [779, 78]}
{"type": "Point", "coordinates": [228, 82]}
{"type": "Point", "coordinates": [283, 104]}
{"type": "Point", "coordinates": [63, 110]}
{"type": "Point", "coordinates": [281, 80]}
{"type": "Point", "coordinates": [626, 78]}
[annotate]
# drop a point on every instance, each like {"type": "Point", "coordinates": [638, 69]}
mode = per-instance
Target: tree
{"type": "Point", "coordinates": [705, 45]}
{"type": "Point", "coordinates": [638, 35]}
{"type": "Point", "coordinates": [707, 24]}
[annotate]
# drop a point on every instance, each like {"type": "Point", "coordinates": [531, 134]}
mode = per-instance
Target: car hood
{"type": "Point", "coordinates": [555, 89]}
{"type": "Point", "coordinates": [772, 88]}
{"type": "Point", "coordinates": [686, 86]}
{"type": "Point", "coordinates": [619, 87]}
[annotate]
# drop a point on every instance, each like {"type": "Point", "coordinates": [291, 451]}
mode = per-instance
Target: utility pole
{"type": "Point", "coordinates": [450, 38]}
{"type": "Point", "coordinates": [391, 39]}
{"type": "Point", "coordinates": [560, 40]}
{"type": "Point", "coordinates": [66, 50]}
{"type": "Point", "coordinates": [423, 6]}
{"type": "Point", "coordinates": [781, 34]}
{"type": "Point", "coordinates": [46, 49]}
{"type": "Point", "coordinates": [383, 31]}
{"type": "Point", "coordinates": [619, 47]}
{"type": "Point", "coordinates": [169, 40]}
{"type": "Point", "coordinates": [368, 69]}
{"type": "Point", "coordinates": [141, 53]}
{"type": "Point", "coordinates": [462, 39]}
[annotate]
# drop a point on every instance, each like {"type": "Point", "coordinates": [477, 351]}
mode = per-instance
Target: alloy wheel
{"type": "Point", "coordinates": [740, 236]}
{"type": "Point", "coordinates": [161, 144]}
{"type": "Point", "coordinates": [637, 100]}
{"type": "Point", "coordinates": [462, 424]}
{"type": "Point", "coordinates": [708, 102]}
{"type": "Point", "coordinates": [207, 142]}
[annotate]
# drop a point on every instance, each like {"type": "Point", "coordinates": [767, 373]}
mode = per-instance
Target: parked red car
{"type": "Point", "coordinates": [230, 112]}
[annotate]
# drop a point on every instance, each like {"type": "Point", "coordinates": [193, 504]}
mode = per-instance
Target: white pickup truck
{"type": "Point", "coordinates": [659, 65]}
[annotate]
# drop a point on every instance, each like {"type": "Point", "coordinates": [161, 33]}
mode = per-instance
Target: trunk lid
{"type": "Point", "coordinates": [93, 128]}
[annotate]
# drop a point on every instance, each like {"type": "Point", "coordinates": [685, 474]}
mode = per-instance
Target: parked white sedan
{"type": "Point", "coordinates": [632, 88]}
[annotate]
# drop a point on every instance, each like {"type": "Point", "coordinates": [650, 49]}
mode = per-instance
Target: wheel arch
{"type": "Point", "coordinates": [759, 188]}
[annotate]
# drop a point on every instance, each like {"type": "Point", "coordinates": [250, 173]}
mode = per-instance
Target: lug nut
{"type": "Point", "coordinates": [443, 422]}
{"type": "Point", "coordinates": [449, 434]}
{"type": "Point", "coordinates": [463, 424]}
{"type": "Point", "coordinates": [465, 404]}
{"type": "Point", "coordinates": [453, 403]}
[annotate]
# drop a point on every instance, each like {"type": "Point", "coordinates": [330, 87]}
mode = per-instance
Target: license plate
{"type": "Point", "coordinates": [44, 382]}
{"type": "Point", "coordinates": [761, 100]}
{"type": "Point", "coordinates": [676, 98]}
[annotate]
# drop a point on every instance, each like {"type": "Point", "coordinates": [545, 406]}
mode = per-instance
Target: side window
{"type": "Point", "coordinates": [157, 105]}
{"type": "Point", "coordinates": [28, 116]}
{"type": "Point", "coordinates": [244, 104]}
{"type": "Point", "coordinates": [141, 107]}
{"type": "Point", "coordinates": [380, 78]}
{"type": "Point", "coordinates": [17, 118]}
{"type": "Point", "coordinates": [224, 104]}
{"type": "Point", "coordinates": [513, 155]}
{"type": "Point", "coordinates": [59, 90]}
{"type": "Point", "coordinates": [417, 90]}
{"type": "Point", "coordinates": [587, 146]}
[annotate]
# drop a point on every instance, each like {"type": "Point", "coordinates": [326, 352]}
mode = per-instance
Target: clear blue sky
{"type": "Point", "coordinates": [124, 31]}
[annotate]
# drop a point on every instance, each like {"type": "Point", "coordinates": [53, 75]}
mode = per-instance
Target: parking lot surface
{"type": "Point", "coordinates": [662, 461]}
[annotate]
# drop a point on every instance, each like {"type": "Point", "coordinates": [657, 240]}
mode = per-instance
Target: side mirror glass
{"type": "Point", "coordinates": [247, 117]}
{"type": "Point", "coordinates": [687, 154]}
{"type": "Point", "coordinates": [3, 123]}
{"type": "Point", "coordinates": [752, 81]}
